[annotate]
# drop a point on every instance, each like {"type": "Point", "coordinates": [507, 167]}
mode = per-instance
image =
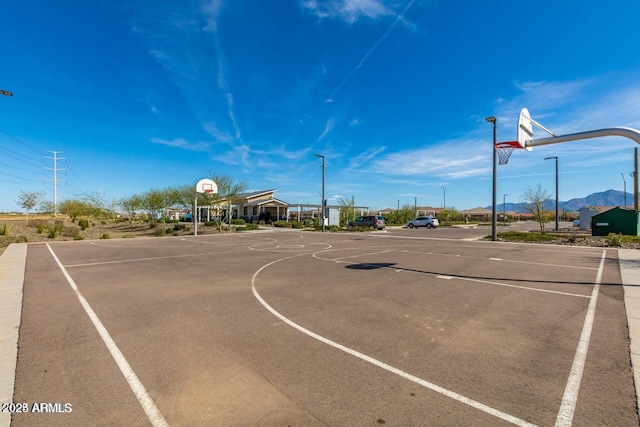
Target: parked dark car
{"type": "Point", "coordinates": [373, 222]}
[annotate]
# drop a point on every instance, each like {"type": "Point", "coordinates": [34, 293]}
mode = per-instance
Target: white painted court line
{"type": "Point", "coordinates": [570, 397]}
{"type": "Point", "coordinates": [431, 386]}
{"type": "Point", "coordinates": [468, 279]}
{"type": "Point", "coordinates": [149, 407]}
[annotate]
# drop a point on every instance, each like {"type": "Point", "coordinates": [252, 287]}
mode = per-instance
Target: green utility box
{"type": "Point", "coordinates": [617, 220]}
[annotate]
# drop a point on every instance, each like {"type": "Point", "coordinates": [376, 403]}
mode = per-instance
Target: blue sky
{"type": "Point", "coordinates": [148, 94]}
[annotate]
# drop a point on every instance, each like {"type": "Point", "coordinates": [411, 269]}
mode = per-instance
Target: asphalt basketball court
{"type": "Point", "coordinates": [339, 329]}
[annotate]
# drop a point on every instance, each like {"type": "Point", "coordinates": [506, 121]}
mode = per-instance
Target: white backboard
{"type": "Point", "coordinates": [525, 129]}
{"type": "Point", "coordinates": [206, 186]}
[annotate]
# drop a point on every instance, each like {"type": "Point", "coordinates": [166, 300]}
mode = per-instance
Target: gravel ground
{"type": "Point", "coordinates": [37, 230]}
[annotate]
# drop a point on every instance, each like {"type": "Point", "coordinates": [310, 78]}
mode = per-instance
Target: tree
{"type": "Point", "coordinates": [29, 199]}
{"type": "Point", "coordinates": [535, 197]}
{"type": "Point", "coordinates": [131, 205]}
{"type": "Point", "coordinates": [347, 210]}
{"type": "Point", "coordinates": [450, 215]}
{"type": "Point", "coordinates": [228, 191]}
{"type": "Point", "coordinates": [74, 208]}
{"type": "Point", "coordinates": [402, 216]}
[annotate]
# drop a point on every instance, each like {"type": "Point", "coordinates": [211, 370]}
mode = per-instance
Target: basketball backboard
{"type": "Point", "coordinates": [525, 129]}
{"type": "Point", "coordinates": [206, 186]}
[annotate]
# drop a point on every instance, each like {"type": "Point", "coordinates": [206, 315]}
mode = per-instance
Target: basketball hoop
{"type": "Point", "coordinates": [505, 149]}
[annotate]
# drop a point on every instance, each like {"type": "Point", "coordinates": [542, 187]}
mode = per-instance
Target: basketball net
{"type": "Point", "coordinates": [505, 149]}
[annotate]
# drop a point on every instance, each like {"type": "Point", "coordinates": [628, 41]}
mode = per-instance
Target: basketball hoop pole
{"type": "Point", "coordinates": [626, 132]}
{"type": "Point", "coordinates": [494, 216]}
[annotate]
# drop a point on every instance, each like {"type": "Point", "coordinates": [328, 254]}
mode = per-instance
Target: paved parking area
{"type": "Point", "coordinates": [405, 327]}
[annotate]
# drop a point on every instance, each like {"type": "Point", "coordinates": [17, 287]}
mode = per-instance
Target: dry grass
{"type": "Point", "coordinates": [15, 229]}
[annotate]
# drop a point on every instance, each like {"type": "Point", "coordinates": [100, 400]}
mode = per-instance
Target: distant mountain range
{"type": "Point", "coordinates": [605, 198]}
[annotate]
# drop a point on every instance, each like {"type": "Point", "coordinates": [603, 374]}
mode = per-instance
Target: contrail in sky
{"type": "Point", "coordinates": [370, 51]}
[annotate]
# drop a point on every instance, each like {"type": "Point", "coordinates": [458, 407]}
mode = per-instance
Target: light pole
{"type": "Point", "coordinates": [625, 190]}
{"type": "Point", "coordinates": [444, 197]}
{"type": "Point", "coordinates": [494, 216]}
{"type": "Point", "coordinates": [504, 209]}
{"type": "Point", "coordinates": [322, 204]}
{"type": "Point", "coordinates": [557, 218]}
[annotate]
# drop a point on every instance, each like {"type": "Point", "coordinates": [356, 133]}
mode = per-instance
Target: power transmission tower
{"type": "Point", "coordinates": [55, 170]}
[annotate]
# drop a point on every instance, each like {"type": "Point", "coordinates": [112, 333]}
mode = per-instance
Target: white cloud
{"type": "Point", "coordinates": [365, 156]}
{"type": "Point", "coordinates": [327, 128]}
{"type": "Point", "coordinates": [347, 10]}
{"type": "Point", "coordinates": [182, 143]}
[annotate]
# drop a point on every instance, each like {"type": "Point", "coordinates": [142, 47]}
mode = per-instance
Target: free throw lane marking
{"type": "Point", "coordinates": [150, 408]}
{"type": "Point", "coordinates": [438, 389]}
{"type": "Point", "coordinates": [570, 397]}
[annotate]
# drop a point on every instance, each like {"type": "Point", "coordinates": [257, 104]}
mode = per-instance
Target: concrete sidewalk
{"type": "Point", "coordinates": [12, 265]}
{"type": "Point", "coordinates": [12, 269]}
{"type": "Point", "coordinates": [630, 269]}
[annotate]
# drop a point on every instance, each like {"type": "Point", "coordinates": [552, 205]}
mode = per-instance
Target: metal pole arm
{"type": "Point", "coordinates": [626, 132]}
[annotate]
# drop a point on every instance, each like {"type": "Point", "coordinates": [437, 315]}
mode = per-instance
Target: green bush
{"type": "Point", "coordinates": [614, 239]}
{"type": "Point", "coordinates": [297, 224]}
{"type": "Point", "coordinates": [282, 224]}
{"type": "Point", "coordinates": [5, 229]}
{"type": "Point", "coordinates": [83, 223]}
{"type": "Point", "coordinates": [54, 229]}
{"type": "Point", "coordinates": [248, 227]}
{"type": "Point", "coordinates": [178, 226]}
{"type": "Point", "coordinates": [70, 232]}
{"type": "Point", "coordinates": [105, 236]}
{"type": "Point", "coordinates": [335, 228]}
{"type": "Point", "coordinates": [238, 221]}
{"type": "Point", "coordinates": [159, 232]}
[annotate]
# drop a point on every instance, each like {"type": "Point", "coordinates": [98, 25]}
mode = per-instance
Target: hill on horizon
{"type": "Point", "coordinates": [604, 198]}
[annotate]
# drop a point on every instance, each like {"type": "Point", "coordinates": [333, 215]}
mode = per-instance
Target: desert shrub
{"type": "Point", "coordinates": [39, 224]}
{"type": "Point", "coordinates": [153, 223]}
{"type": "Point", "coordinates": [178, 226]}
{"type": "Point", "coordinates": [5, 229]}
{"type": "Point", "coordinates": [238, 221]}
{"type": "Point", "coordinates": [283, 224]}
{"type": "Point", "coordinates": [614, 239]}
{"type": "Point", "coordinates": [78, 238]}
{"type": "Point", "coordinates": [335, 228]}
{"type": "Point", "coordinates": [297, 224]}
{"type": "Point", "coordinates": [169, 231]}
{"type": "Point", "coordinates": [248, 227]}
{"type": "Point", "coordinates": [159, 232]}
{"type": "Point", "coordinates": [54, 229]}
{"type": "Point", "coordinates": [70, 232]}
{"type": "Point", "coordinates": [83, 223]}
{"type": "Point", "coordinates": [105, 236]}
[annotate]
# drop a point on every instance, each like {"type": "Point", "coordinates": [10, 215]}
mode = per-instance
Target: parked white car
{"type": "Point", "coordinates": [424, 221]}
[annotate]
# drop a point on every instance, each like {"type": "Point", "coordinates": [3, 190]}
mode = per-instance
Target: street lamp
{"type": "Point", "coordinates": [504, 209]}
{"type": "Point", "coordinates": [625, 190]}
{"type": "Point", "coordinates": [494, 216]}
{"type": "Point", "coordinates": [322, 204]}
{"type": "Point", "coordinates": [557, 218]}
{"type": "Point", "coordinates": [444, 197]}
